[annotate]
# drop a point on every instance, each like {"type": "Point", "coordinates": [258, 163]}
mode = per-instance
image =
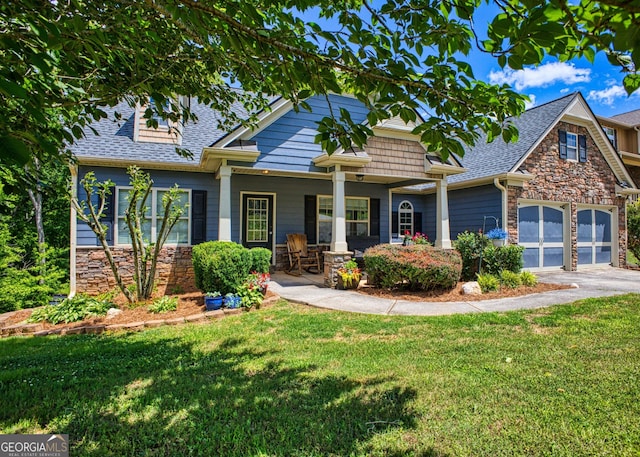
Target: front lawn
{"type": "Point", "coordinates": [297, 381]}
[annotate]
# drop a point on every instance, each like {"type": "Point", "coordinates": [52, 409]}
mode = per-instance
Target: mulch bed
{"type": "Point", "coordinates": [457, 295]}
{"type": "Point", "coordinates": [189, 304]}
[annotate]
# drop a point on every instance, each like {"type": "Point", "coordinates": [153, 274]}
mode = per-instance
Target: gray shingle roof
{"type": "Point", "coordinates": [115, 140]}
{"type": "Point", "coordinates": [631, 118]}
{"type": "Point", "coordinates": [488, 159]}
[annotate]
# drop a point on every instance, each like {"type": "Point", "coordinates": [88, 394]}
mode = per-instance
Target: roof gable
{"type": "Point", "coordinates": [486, 160]}
{"type": "Point", "coordinates": [496, 158]}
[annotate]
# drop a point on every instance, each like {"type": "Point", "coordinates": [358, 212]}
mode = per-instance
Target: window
{"type": "Point", "coordinates": [356, 216]}
{"type": "Point", "coordinates": [153, 214]}
{"type": "Point", "coordinates": [166, 107]}
{"type": "Point", "coordinates": [572, 146]}
{"type": "Point", "coordinates": [612, 135]}
{"type": "Point", "coordinates": [405, 218]}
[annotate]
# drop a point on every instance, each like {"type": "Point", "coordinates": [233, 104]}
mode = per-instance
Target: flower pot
{"type": "Point", "coordinates": [498, 242]}
{"type": "Point", "coordinates": [342, 285]}
{"type": "Point", "coordinates": [213, 303]}
{"type": "Point", "coordinates": [233, 302]}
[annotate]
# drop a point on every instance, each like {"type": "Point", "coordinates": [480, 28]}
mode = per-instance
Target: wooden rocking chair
{"type": "Point", "coordinates": [300, 255]}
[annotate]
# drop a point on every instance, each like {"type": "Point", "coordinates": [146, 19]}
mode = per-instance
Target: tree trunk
{"type": "Point", "coordinates": [36, 201]}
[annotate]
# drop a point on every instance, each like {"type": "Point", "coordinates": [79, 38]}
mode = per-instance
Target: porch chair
{"type": "Point", "coordinates": [301, 255]}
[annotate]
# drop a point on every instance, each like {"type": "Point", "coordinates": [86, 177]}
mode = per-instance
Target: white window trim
{"type": "Point", "coordinates": [611, 131]}
{"type": "Point", "coordinates": [347, 221]}
{"type": "Point", "coordinates": [154, 217]}
{"type": "Point", "coordinates": [404, 211]}
{"type": "Point", "coordinates": [577, 147]}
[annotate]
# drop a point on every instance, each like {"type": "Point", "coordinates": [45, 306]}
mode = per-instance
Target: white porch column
{"type": "Point", "coordinates": [339, 224]}
{"type": "Point", "coordinates": [442, 215]}
{"type": "Point", "coordinates": [224, 213]}
{"type": "Point", "coordinates": [73, 232]}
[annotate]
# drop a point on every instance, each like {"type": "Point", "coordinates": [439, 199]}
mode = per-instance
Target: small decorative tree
{"type": "Point", "coordinates": [145, 253]}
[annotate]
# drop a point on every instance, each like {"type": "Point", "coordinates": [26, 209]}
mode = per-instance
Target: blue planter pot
{"type": "Point", "coordinates": [232, 302]}
{"type": "Point", "coordinates": [213, 303]}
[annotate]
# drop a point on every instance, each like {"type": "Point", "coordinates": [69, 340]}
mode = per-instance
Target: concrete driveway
{"type": "Point", "coordinates": [309, 290]}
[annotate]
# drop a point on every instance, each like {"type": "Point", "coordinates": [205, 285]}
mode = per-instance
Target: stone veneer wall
{"type": "Point", "coordinates": [557, 180]}
{"type": "Point", "coordinates": [332, 262]}
{"type": "Point", "coordinates": [94, 276]}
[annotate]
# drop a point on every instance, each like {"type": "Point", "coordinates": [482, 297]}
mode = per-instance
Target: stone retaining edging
{"type": "Point", "coordinates": [24, 329]}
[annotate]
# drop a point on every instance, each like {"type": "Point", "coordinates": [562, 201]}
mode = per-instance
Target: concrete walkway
{"type": "Point", "coordinates": [309, 289]}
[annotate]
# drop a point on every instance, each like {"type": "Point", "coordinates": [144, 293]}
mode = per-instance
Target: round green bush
{"type": "Point", "coordinates": [221, 266]}
{"type": "Point", "coordinates": [260, 260]}
{"type": "Point", "coordinates": [414, 267]}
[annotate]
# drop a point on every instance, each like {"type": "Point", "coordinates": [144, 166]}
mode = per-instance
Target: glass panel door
{"type": "Point", "coordinates": [541, 232]}
{"type": "Point", "coordinates": [257, 221]}
{"type": "Point", "coordinates": [594, 237]}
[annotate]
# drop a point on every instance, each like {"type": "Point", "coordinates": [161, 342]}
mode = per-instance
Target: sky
{"type": "Point", "coordinates": [600, 83]}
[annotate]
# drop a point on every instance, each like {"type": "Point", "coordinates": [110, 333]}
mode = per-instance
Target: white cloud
{"type": "Point", "coordinates": [541, 76]}
{"type": "Point", "coordinates": [531, 103]}
{"type": "Point", "coordinates": [607, 96]}
{"type": "Point", "coordinates": [565, 90]}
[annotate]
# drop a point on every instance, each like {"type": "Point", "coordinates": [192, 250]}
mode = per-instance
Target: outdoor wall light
{"type": "Point", "coordinates": [359, 178]}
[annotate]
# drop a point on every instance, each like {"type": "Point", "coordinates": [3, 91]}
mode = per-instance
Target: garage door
{"type": "Point", "coordinates": [594, 237]}
{"type": "Point", "coordinates": [541, 232]}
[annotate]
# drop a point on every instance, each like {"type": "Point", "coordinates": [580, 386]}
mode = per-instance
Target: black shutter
{"type": "Point", "coordinates": [374, 217]}
{"type": "Point", "coordinates": [394, 223]}
{"type": "Point", "coordinates": [310, 203]}
{"type": "Point", "coordinates": [198, 216]}
{"type": "Point", "coordinates": [582, 148]}
{"type": "Point", "coordinates": [108, 215]}
{"type": "Point", "coordinates": [563, 143]}
{"type": "Point", "coordinates": [417, 223]}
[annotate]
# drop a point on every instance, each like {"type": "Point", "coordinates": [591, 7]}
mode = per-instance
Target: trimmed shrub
{"type": "Point", "coordinates": [528, 279]}
{"type": "Point", "coordinates": [415, 267]}
{"type": "Point", "coordinates": [221, 266]}
{"type": "Point", "coordinates": [260, 260]}
{"type": "Point", "coordinates": [633, 228]}
{"type": "Point", "coordinates": [488, 283]}
{"type": "Point", "coordinates": [470, 246]}
{"type": "Point", "coordinates": [509, 279]}
{"type": "Point", "coordinates": [498, 259]}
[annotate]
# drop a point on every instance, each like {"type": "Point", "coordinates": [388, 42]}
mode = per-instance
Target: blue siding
{"type": "Point", "coordinates": [420, 205]}
{"type": "Point", "coordinates": [288, 143]}
{"type": "Point", "coordinates": [289, 201]}
{"type": "Point", "coordinates": [468, 208]}
{"type": "Point", "coordinates": [186, 180]}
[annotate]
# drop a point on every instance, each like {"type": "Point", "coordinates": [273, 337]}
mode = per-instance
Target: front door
{"type": "Point", "coordinates": [541, 232]}
{"type": "Point", "coordinates": [257, 221]}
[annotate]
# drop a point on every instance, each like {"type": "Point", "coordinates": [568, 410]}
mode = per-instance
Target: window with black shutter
{"type": "Point", "coordinates": [198, 216]}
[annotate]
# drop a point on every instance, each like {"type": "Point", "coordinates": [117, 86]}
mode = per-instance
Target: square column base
{"type": "Point", "coordinates": [333, 260]}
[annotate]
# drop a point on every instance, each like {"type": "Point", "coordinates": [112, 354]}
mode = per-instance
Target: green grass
{"type": "Point", "coordinates": [632, 258]}
{"type": "Point", "coordinates": [296, 381]}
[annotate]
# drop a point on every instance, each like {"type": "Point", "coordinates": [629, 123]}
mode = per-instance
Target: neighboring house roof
{"type": "Point", "coordinates": [489, 159]}
{"type": "Point", "coordinates": [630, 118]}
{"type": "Point", "coordinates": [115, 141]}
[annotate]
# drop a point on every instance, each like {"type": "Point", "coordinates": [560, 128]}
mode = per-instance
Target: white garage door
{"type": "Point", "coordinates": [594, 237]}
{"type": "Point", "coordinates": [541, 232]}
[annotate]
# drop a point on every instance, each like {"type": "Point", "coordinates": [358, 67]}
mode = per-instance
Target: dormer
{"type": "Point", "coordinates": [167, 131]}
